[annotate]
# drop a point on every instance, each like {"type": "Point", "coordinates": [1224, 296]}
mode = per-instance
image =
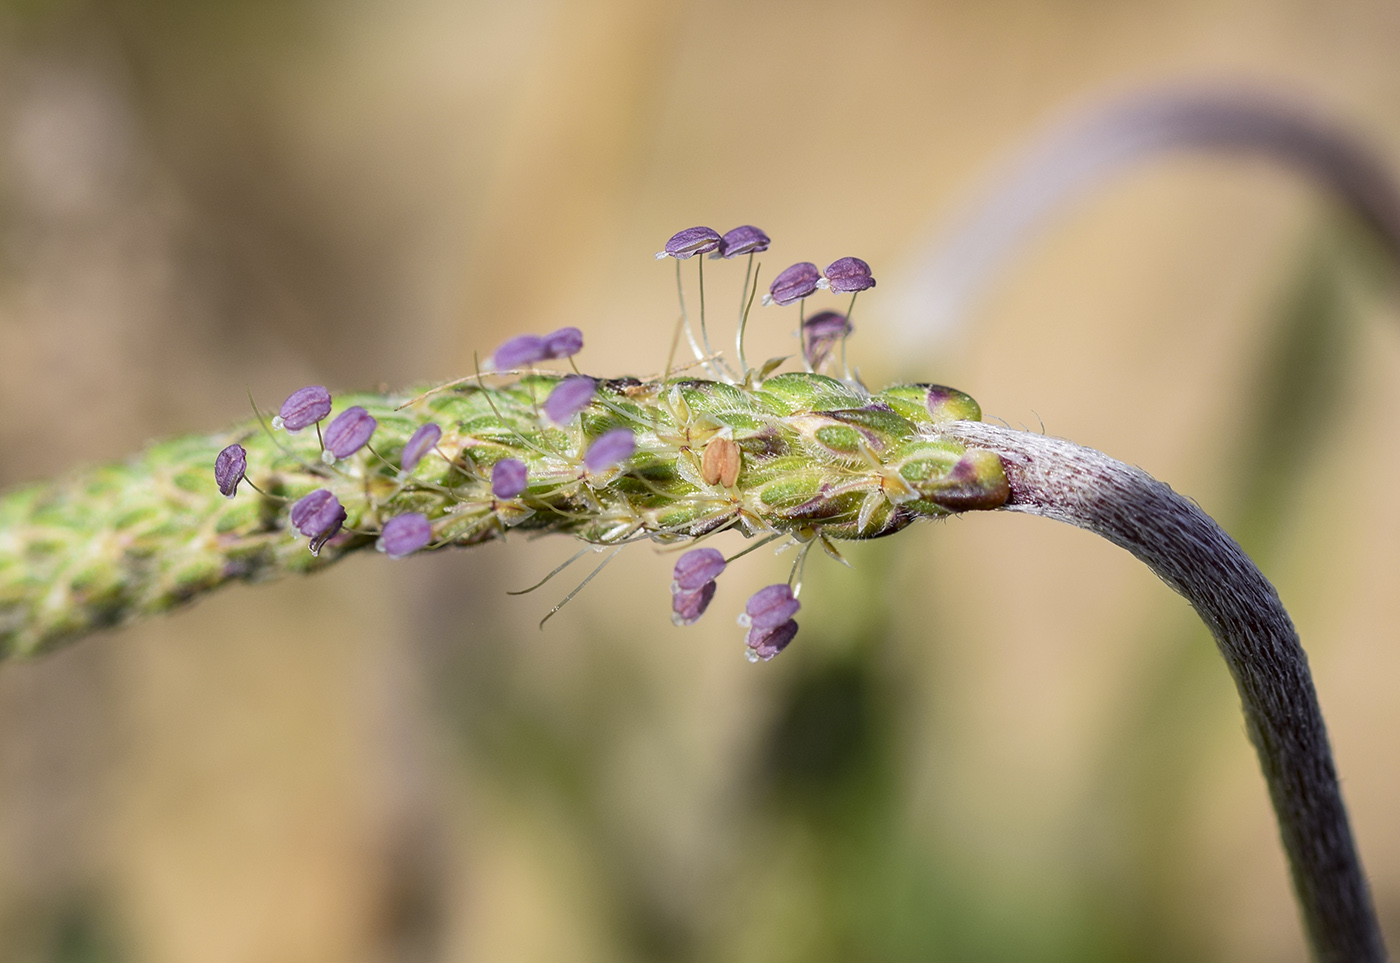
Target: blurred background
{"type": "Point", "coordinates": [996, 738]}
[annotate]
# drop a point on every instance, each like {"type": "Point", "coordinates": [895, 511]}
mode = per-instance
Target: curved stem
{"type": "Point", "coordinates": [1187, 550]}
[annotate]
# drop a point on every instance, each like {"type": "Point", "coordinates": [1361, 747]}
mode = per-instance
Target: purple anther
{"type": "Point", "coordinates": [404, 535]}
{"type": "Point", "coordinates": [767, 643]}
{"type": "Point", "coordinates": [742, 240]}
{"type": "Point", "coordinates": [423, 441]}
{"type": "Point", "coordinates": [508, 477]}
{"type": "Point", "coordinates": [848, 275]}
{"type": "Point", "coordinates": [229, 468]}
{"type": "Point", "coordinates": [350, 432]}
{"type": "Point", "coordinates": [520, 352]}
{"type": "Point", "coordinates": [794, 284]}
{"type": "Point", "coordinates": [690, 242]}
{"type": "Point", "coordinates": [696, 567]}
{"type": "Point", "coordinates": [569, 397]}
{"type": "Point", "coordinates": [771, 606]}
{"type": "Point", "coordinates": [686, 607]}
{"type": "Point", "coordinates": [564, 343]}
{"type": "Point", "coordinates": [303, 408]}
{"type": "Point", "coordinates": [820, 332]}
{"type": "Point", "coordinates": [609, 449]}
{"type": "Point", "coordinates": [318, 516]}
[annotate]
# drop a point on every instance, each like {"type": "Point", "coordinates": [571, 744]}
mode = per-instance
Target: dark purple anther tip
{"type": "Point", "coordinates": [569, 397]}
{"type": "Point", "coordinates": [564, 343]}
{"type": "Point", "coordinates": [848, 275]}
{"type": "Point", "coordinates": [690, 242]}
{"type": "Point", "coordinates": [508, 478]}
{"type": "Point", "coordinates": [771, 606]}
{"type": "Point", "coordinates": [229, 467]}
{"type": "Point", "coordinates": [794, 284]}
{"type": "Point", "coordinates": [404, 535]}
{"type": "Point", "coordinates": [687, 607]}
{"type": "Point", "coordinates": [520, 352]}
{"type": "Point", "coordinates": [423, 441]}
{"type": "Point", "coordinates": [767, 643]}
{"type": "Point", "coordinates": [820, 332]}
{"type": "Point", "coordinates": [696, 567]}
{"type": "Point", "coordinates": [318, 516]}
{"type": "Point", "coordinates": [303, 408]}
{"type": "Point", "coordinates": [350, 432]}
{"type": "Point", "coordinates": [742, 240]}
{"type": "Point", "coordinates": [609, 449]}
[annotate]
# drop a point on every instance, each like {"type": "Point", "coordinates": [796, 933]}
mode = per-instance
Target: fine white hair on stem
{"type": "Point", "coordinates": [1058, 479]}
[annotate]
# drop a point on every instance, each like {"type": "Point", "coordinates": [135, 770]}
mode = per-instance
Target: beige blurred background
{"type": "Point", "coordinates": [995, 739]}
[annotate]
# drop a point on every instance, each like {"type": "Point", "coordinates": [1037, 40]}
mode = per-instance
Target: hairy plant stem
{"type": "Point", "coordinates": [1187, 550]}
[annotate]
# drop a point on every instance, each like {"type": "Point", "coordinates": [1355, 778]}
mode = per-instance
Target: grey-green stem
{"type": "Point", "coordinates": [1187, 550]}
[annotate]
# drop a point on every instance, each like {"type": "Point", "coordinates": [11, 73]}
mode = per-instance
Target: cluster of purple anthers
{"type": "Point", "coordinates": [819, 333]}
{"type": "Point", "coordinates": [768, 616]}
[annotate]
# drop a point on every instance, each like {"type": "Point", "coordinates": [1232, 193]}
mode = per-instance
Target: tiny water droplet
{"type": "Point", "coordinates": [327, 457]}
{"type": "Point", "coordinates": [277, 422]}
{"type": "Point", "coordinates": [750, 654]}
{"type": "Point", "coordinates": [744, 620]}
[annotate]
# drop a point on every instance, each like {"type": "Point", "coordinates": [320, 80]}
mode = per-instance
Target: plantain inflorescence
{"type": "Point", "coordinates": [788, 457]}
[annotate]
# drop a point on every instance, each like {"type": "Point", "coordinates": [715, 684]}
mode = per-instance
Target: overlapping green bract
{"type": "Point", "coordinates": [818, 458]}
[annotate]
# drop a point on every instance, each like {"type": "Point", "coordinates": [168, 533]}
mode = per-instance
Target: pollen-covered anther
{"type": "Point", "coordinates": [793, 284]}
{"type": "Point", "coordinates": [721, 462]}
{"type": "Point", "coordinates": [820, 333]}
{"type": "Point", "coordinates": [229, 469]}
{"type": "Point", "coordinates": [303, 408]}
{"type": "Point", "coordinates": [569, 397]}
{"type": "Point", "coordinates": [404, 534]}
{"type": "Point", "coordinates": [520, 352]}
{"type": "Point", "coordinates": [349, 432]}
{"type": "Point", "coordinates": [690, 242]}
{"type": "Point", "coordinates": [742, 240]}
{"type": "Point", "coordinates": [423, 441]}
{"type": "Point", "coordinates": [609, 450]}
{"type": "Point", "coordinates": [695, 568]}
{"type": "Point", "coordinates": [509, 477]}
{"type": "Point", "coordinates": [319, 517]}
{"type": "Point", "coordinates": [687, 607]}
{"type": "Point", "coordinates": [769, 607]}
{"type": "Point", "coordinates": [764, 643]}
{"type": "Point", "coordinates": [848, 275]}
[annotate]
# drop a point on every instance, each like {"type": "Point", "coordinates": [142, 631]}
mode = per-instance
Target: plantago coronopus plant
{"type": "Point", "coordinates": [788, 457]}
